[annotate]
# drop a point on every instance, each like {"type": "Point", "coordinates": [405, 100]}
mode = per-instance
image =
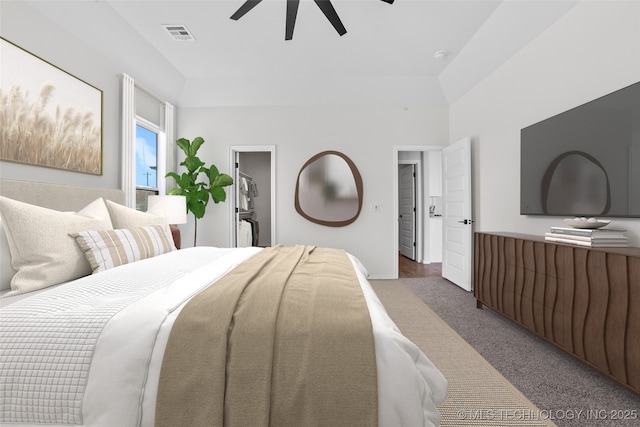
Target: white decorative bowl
{"type": "Point", "coordinates": [584, 223]}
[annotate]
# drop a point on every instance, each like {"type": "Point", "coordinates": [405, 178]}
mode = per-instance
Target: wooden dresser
{"type": "Point", "coordinates": [584, 300]}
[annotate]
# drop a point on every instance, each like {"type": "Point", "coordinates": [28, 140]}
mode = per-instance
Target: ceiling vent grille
{"type": "Point", "coordinates": [179, 32]}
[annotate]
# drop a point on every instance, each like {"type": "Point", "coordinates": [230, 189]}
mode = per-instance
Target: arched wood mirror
{"type": "Point", "coordinates": [329, 190]}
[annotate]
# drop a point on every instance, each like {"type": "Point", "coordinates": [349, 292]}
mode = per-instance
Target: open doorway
{"type": "Point", "coordinates": [417, 204]}
{"type": "Point", "coordinates": [411, 269]}
{"type": "Point", "coordinates": [252, 196]}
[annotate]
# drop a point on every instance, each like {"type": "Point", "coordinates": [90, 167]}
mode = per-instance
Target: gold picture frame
{"type": "Point", "coordinates": [48, 117]}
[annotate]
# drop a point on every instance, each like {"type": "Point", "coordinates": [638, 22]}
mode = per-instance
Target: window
{"type": "Point", "coordinates": [147, 166]}
{"type": "Point", "coordinates": [147, 154]}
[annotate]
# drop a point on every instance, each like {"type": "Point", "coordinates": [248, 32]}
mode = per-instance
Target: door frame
{"type": "Point", "coordinates": [234, 151]}
{"type": "Point", "coordinates": [419, 201]}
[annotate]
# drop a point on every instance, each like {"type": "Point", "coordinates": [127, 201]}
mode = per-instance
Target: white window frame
{"type": "Point", "coordinates": [161, 155]}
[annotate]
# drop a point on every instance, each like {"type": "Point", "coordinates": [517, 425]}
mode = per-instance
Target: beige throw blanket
{"type": "Point", "coordinates": [284, 339]}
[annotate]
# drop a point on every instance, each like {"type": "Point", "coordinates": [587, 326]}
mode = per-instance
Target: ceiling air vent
{"type": "Point", "coordinates": [179, 32]}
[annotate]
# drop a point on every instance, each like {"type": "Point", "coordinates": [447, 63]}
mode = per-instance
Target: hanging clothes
{"type": "Point", "coordinates": [244, 194]}
{"type": "Point", "coordinates": [245, 234]}
{"type": "Point", "coordinates": [253, 193]}
{"type": "Point", "coordinates": [255, 230]}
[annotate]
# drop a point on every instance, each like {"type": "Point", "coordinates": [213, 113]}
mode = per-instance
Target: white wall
{"type": "Point", "coordinates": [591, 51]}
{"type": "Point", "coordinates": [365, 134]}
{"type": "Point", "coordinates": [49, 43]}
{"type": "Point", "coordinates": [30, 29]}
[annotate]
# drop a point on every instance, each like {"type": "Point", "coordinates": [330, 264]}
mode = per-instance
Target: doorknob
{"type": "Point", "coordinates": [466, 221]}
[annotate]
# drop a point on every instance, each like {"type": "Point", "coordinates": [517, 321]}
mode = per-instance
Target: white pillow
{"type": "Point", "coordinates": [106, 249]}
{"type": "Point", "coordinates": [6, 271]}
{"type": "Point", "coordinates": [42, 251]}
{"type": "Point", "coordinates": [125, 217]}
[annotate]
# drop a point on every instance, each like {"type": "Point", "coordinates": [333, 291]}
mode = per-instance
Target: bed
{"type": "Point", "coordinates": [198, 336]}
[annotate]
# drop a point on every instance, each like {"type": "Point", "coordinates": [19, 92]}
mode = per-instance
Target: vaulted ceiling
{"type": "Point", "coordinates": [386, 56]}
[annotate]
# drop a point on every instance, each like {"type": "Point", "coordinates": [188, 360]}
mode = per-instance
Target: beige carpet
{"type": "Point", "coordinates": [478, 395]}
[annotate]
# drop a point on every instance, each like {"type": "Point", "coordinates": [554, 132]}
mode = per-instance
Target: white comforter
{"type": "Point", "coordinates": [111, 373]}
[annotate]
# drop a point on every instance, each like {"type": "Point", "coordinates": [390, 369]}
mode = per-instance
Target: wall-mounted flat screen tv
{"type": "Point", "coordinates": [585, 161]}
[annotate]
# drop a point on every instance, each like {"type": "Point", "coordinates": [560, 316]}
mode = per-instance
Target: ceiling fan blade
{"type": "Point", "coordinates": [327, 8]}
{"type": "Point", "coordinates": [246, 7]}
{"type": "Point", "coordinates": [292, 12]}
{"type": "Point", "coordinates": [388, 1]}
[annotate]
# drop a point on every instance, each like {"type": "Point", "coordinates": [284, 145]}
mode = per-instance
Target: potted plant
{"type": "Point", "coordinates": [198, 192]}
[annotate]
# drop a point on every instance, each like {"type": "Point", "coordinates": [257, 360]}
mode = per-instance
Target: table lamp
{"type": "Point", "coordinates": [173, 209]}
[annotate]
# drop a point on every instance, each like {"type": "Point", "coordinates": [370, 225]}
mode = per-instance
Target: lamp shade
{"type": "Point", "coordinates": [172, 208]}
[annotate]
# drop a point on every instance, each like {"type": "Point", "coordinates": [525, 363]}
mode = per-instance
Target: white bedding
{"type": "Point", "coordinates": [109, 376]}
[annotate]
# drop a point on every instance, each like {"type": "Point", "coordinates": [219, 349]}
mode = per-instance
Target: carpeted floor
{"type": "Point", "coordinates": [571, 393]}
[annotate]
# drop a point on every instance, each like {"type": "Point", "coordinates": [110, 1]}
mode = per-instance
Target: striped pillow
{"type": "Point", "coordinates": [106, 249]}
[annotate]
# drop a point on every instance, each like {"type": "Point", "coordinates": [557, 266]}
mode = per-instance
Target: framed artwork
{"type": "Point", "coordinates": [48, 117]}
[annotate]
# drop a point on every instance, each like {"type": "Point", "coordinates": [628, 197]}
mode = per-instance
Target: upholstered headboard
{"type": "Point", "coordinates": [60, 197]}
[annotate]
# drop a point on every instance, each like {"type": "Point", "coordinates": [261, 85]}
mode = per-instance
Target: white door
{"type": "Point", "coordinates": [407, 211]}
{"type": "Point", "coordinates": [457, 256]}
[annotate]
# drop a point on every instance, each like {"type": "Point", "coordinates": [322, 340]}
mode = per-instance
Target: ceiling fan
{"type": "Point", "coordinates": [292, 11]}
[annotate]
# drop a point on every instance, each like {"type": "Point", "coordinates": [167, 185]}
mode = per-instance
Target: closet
{"type": "Point", "coordinates": [253, 199]}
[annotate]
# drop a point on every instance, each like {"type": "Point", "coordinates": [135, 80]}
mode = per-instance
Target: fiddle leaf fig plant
{"type": "Point", "coordinates": [198, 191]}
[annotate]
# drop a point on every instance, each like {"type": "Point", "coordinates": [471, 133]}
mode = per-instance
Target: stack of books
{"type": "Point", "coordinates": [594, 238]}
